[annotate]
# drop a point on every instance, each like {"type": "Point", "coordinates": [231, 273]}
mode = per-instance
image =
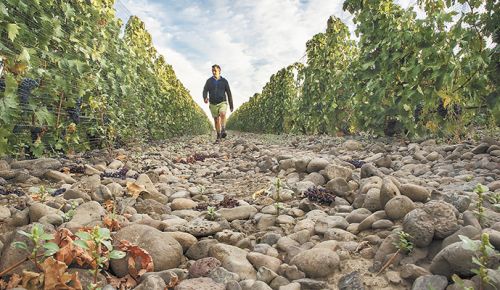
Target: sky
{"type": "Point", "coordinates": [249, 39]}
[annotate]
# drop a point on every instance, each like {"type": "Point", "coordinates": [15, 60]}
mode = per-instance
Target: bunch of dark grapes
{"type": "Point", "coordinates": [121, 174]}
{"type": "Point", "coordinates": [417, 112]}
{"type": "Point", "coordinates": [356, 163]}
{"type": "Point", "coordinates": [58, 191]}
{"type": "Point", "coordinates": [74, 113]}
{"type": "Point", "coordinates": [2, 85]}
{"type": "Point", "coordinates": [319, 195]}
{"type": "Point", "coordinates": [202, 206]}
{"type": "Point", "coordinates": [441, 110]}
{"type": "Point", "coordinates": [25, 88]}
{"type": "Point", "coordinates": [77, 169]}
{"type": "Point", "coordinates": [16, 191]}
{"type": "Point", "coordinates": [228, 202]}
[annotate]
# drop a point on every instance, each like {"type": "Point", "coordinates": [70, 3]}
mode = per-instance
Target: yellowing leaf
{"type": "Point", "coordinates": [135, 189]}
{"type": "Point", "coordinates": [24, 56]}
{"type": "Point", "coordinates": [12, 31]}
{"type": "Point", "coordinates": [447, 98]}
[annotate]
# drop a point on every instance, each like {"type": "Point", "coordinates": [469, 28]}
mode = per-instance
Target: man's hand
{"type": "Point", "coordinates": [231, 108]}
{"type": "Point", "coordinates": [206, 100]}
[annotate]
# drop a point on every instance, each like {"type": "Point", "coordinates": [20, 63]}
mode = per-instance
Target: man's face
{"type": "Point", "coordinates": [215, 72]}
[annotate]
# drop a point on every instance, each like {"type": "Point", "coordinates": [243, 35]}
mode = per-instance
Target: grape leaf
{"type": "Point", "coordinates": [12, 31]}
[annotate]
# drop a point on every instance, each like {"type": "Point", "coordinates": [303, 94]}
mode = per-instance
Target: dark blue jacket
{"type": "Point", "coordinates": [217, 90]}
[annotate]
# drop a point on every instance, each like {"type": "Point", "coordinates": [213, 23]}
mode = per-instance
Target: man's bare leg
{"type": "Point", "coordinates": [217, 126]}
{"type": "Point", "coordinates": [223, 124]}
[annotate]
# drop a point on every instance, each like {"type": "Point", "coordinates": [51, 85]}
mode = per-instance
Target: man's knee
{"type": "Point", "coordinates": [222, 114]}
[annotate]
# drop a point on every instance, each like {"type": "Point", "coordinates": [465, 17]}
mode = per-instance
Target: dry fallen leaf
{"type": "Point", "coordinates": [111, 223]}
{"type": "Point", "coordinates": [14, 281]}
{"type": "Point", "coordinates": [121, 157]}
{"type": "Point", "coordinates": [135, 189]}
{"type": "Point", "coordinates": [56, 276]}
{"type": "Point", "coordinates": [69, 252]}
{"type": "Point", "coordinates": [32, 280]}
{"type": "Point", "coordinates": [126, 282]}
{"type": "Point", "coordinates": [139, 260]}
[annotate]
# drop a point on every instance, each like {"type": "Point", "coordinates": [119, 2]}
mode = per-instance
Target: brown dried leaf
{"type": "Point", "coordinates": [68, 252]}
{"type": "Point", "coordinates": [109, 205]}
{"type": "Point", "coordinates": [121, 157]}
{"type": "Point", "coordinates": [32, 280]}
{"type": "Point", "coordinates": [135, 189]}
{"type": "Point", "coordinates": [111, 223]}
{"type": "Point", "coordinates": [56, 276]}
{"type": "Point", "coordinates": [14, 281]}
{"type": "Point", "coordinates": [173, 282]}
{"type": "Point", "coordinates": [126, 282]}
{"type": "Point", "coordinates": [139, 260]}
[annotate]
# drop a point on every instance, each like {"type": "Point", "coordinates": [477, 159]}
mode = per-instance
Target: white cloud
{"type": "Point", "coordinates": [250, 40]}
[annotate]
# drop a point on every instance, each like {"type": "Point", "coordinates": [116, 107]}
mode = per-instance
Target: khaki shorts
{"type": "Point", "coordinates": [216, 109]}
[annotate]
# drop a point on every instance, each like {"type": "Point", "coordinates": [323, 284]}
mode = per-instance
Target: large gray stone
{"type": "Point", "coordinates": [233, 259]}
{"type": "Point", "coordinates": [317, 164]}
{"type": "Point", "coordinates": [443, 215]}
{"type": "Point", "coordinates": [415, 192]}
{"type": "Point", "coordinates": [388, 191]}
{"type": "Point", "coordinates": [237, 213]}
{"type": "Point", "coordinates": [199, 283]}
{"type": "Point", "coordinates": [39, 210]}
{"type": "Point", "coordinates": [165, 250]}
{"type": "Point", "coordinates": [308, 261]}
{"type": "Point", "coordinates": [260, 260]}
{"type": "Point", "coordinates": [454, 259]}
{"type": "Point", "coordinates": [398, 207]}
{"type": "Point", "coordinates": [85, 214]}
{"type": "Point", "coordinates": [332, 171]}
{"type": "Point", "coordinates": [435, 282]}
{"type": "Point", "coordinates": [420, 225]}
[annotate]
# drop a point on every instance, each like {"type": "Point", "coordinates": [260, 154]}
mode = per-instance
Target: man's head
{"type": "Point", "coordinates": [216, 71]}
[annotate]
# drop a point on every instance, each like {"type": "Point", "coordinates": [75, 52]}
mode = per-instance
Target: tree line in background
{"type": "Point", "coordinates": [405, 75]}
{"type": "Point", "coordinates": [73, 79]}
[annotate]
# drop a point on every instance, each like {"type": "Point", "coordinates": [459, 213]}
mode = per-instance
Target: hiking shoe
{"type": "Point", "coordinates": [218, 140]}
{"type": "Point", "coordinates": [223, 134]}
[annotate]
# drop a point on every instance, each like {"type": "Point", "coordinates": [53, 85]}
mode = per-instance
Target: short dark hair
{"type": "Point", "coordinates": [216, 66]}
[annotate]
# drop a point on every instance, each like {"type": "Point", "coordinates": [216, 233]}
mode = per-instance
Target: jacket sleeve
{"type": "Point", "coordinates": [229, 96]}
{"type": "Point", "coordinates": [205, 90]}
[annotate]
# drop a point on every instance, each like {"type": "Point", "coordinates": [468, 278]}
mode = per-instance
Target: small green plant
{"type": "Point", "coordinates": [94, 241]}
{"type": "Point", "coordinates": [404, 244]}
{"type": "Point", "coordinates": [479, 190]}
{"type": "Point", "coordinates": [41, 243]}
{"type": "Point", "coordinates": [279, 207]}
{"type": "Point", "coordinates": [201, 189]}
{"type": "Point", "coordinates": [460, 282]}
{"type": "Point", "coordinates": [278, 189]}
{"type": "Point", "coordinates": [484, 251]}
{"type": "Point", "coordinates": [494, 199]}
{"type": "Point", "coordinates": [39, 193]}
{"type": "Point", "coordinates": [68, 215]}
{"type": "Point", "coordinates": [211, 213]}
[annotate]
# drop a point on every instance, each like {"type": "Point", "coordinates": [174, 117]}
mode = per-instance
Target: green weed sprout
{"type": "Point", "coordinates": [479, 190]}
{"type": "Point", "coordinates": [93, 242]}
{"type": "Point", "coordinates": [211, 214]}
{"type": "Point", "coordinates": [483, 252]}
{"type": "Point", "coordinates": [40, 241]}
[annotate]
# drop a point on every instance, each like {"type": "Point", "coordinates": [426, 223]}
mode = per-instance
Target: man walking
{"type": "Point", "coordinates": [217, 88]}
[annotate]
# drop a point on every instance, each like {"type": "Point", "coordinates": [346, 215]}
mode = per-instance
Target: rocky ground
{"type": "Point", "coordinates": [268, 212]}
